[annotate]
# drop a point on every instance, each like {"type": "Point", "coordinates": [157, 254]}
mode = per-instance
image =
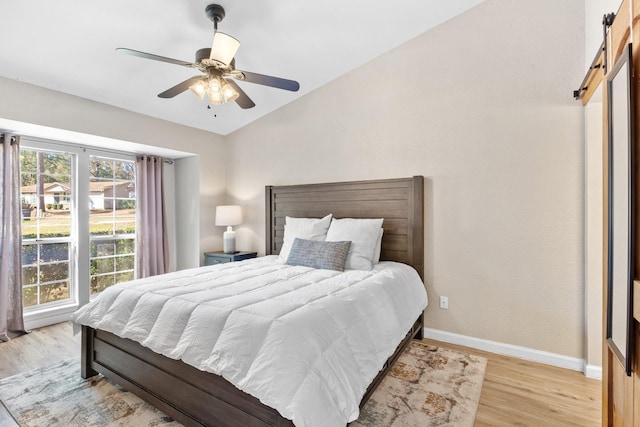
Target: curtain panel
{"type": "Point", "coordinates": [151, 230]}
{"type": "Point", "coordinates": [11, 320]}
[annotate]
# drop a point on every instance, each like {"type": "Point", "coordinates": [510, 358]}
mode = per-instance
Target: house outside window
{"type": "Point", "coordinates": [112, 219]}
{"type": "Point", "coordinates": [78, 223]}
{"type": "Point", "coordinates": [47, 227]}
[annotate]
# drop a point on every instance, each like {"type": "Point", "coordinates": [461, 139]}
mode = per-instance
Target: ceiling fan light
{"type": "Point", "coordinates": [216, 97]}
{"type": "Point", "coordinates": [224, 48]}
{"type": "Point", "coordinates": [229, 93]}
{"type": "Point", "coordinates": [199, 89]}
{"type": "Point", "coordinates": [214, 85]}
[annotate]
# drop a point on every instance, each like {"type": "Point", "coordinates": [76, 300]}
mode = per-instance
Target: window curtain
{"type": "Point", "coordinates": [11, 320]}
{"type": "Point", "coordinates": [151, 230]}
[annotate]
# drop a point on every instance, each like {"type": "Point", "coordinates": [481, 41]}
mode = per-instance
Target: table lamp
{"type": "Point", "coordinates": [228, 216]}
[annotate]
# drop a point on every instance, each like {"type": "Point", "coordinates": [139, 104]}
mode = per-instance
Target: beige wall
{"type": "Point", "coordinates": [199, 179]}
{"type": "Point", "coordinates": [482, 107]}
{"type": "Point", "coordinates": [594, 232]}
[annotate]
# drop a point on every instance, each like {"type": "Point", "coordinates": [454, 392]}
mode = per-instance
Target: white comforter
{"type": "Point", "coordinates": [306, 342]}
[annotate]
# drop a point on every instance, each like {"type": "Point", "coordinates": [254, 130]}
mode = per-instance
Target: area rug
{"type": "Point", "coordinates": [428, 386]}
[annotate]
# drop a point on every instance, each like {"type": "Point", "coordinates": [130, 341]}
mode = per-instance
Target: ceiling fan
{"type": "Point", "coordinates": [218, 65]}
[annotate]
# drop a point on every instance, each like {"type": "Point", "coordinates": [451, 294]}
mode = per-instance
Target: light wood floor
{"type": "Point", "coordinates": [515, 392]}
{"type": "Point", "coordinates": [521, 393]}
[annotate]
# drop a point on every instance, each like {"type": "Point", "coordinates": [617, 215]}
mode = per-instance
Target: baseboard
{"type": "Point", "coordinates": [593, 371]}
{"type": "Point", "coordinates": [532, 355]}
{"type": "Point", "coordinates": [48, 317]}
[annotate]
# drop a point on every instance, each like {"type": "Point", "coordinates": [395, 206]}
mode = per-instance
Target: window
{"type": "Point", "coordinates": [112, 219]}
{"type": "Point", "coordinates": [78, 223]}
{"type": "Point", "coordinates": [46, 189]}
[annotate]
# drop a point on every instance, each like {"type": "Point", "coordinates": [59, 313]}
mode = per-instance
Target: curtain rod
{"type": "Point", "coordinates": [12, 141]}
{"type": "Point", "coordinates": [168, 161]}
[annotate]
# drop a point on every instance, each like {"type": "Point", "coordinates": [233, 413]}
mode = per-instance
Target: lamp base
{"type": "Point", "coordinates": [229, 241]}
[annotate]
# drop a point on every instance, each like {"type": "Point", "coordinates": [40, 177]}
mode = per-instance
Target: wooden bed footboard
{"type": "Point", "coordinates": [189, 395]}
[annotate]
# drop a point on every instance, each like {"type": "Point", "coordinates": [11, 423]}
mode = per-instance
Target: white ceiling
{"type": "Point", "coordinates": [69, 46]}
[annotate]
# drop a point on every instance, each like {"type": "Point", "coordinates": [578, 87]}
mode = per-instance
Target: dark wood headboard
{"type": "Point", "coordinates": [399, 201]}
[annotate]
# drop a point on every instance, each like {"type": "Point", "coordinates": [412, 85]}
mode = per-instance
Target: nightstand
{"type": "Point", "coordinates": [219, 257]}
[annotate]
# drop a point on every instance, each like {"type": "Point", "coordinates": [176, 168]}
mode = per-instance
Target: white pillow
{"type": "Point", "coordinates": [378, 250]}
{"type": "Point", "coordinates": [363, 234]}
{"type": "Point", "coordinates": [303, 228]}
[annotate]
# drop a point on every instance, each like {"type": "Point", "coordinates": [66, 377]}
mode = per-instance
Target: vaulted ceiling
{"type": "Point", "coordinates": [69, 46]}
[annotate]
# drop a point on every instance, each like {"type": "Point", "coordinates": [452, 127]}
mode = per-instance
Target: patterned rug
{"type": "Point", "coordinates": [427, 386]}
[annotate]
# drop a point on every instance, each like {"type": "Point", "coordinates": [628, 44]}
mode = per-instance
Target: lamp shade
{"type": "Point", "coordinates": [224, 48]}
{"type": "Point", "coordinates": [228, 215]}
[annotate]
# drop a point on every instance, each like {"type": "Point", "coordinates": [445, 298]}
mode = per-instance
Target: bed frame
{"type": "Point", "coordinates": [195, 398]}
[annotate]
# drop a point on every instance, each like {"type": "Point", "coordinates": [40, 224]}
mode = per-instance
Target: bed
{"type": "Point", "coordinates": [194, 397]}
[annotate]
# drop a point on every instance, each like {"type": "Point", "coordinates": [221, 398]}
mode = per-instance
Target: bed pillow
{"type": "Point", "coordinates": [303, 228]}
{"type": "Point", "coordinates": [378, 250]}
{"type": "Point", "coordinates": [363, 235]}
{"type": "Point", "coordinates": [319, 254]}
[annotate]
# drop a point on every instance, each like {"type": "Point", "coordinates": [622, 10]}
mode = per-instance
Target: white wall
{"type": "Point", "coordinates": [481, 106]}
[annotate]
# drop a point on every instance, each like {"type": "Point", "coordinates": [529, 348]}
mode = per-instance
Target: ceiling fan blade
{"type": "Point", "coordinates": [276, 82]}
{"type": "Point", "coordinates": [179, 88]}
{"type": "Point", "coordinates": [243, 100]}
{"type": "Point", "coordinates": [154, 57]}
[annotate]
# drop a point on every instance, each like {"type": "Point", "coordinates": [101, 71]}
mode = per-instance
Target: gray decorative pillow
{"type": "Point", "coordinates": [319, 254]}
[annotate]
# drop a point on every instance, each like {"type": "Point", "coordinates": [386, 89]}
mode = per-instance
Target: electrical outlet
{"type": "Point", "coordinates": [444, 303]}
